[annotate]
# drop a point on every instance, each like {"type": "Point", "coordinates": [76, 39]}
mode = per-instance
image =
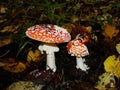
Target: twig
{"type": "Point", "coordinates": [5, 53]}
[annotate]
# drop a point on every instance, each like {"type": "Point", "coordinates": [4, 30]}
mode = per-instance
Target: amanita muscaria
{"type": "Point", "coordinates": [77, 48]}
{"type": "Point", "coordinates": [49, 34]}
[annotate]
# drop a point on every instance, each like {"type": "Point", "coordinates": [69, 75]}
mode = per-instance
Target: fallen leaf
{"type": "Point", "coordinates": [117, 69]}
{"type": "Point", "coordinates": [3, 20]}
{"type": "Point", "coordinates": [5, 40]}
{"type": "Point", "coordinates": [79, 29]}
{"type": "Point", "coordinates": [3, 9]}
{"type": "Point", "coordinates": [74, 19]}
{"type": "Point", "coordinates": [83, 29]}
{"type": "Point", "coordinates": [24, 85]}
{"type": "Point", "coordinates": [69, 27]}
{"type": "Point", "coordinates": [2, 64]}
{"type": "Point", "coordinates": [109, 31]}
{"type": "Point", "coordinates": [34, 56]}
{"type": "Point", "coordinates": [15, 67]}
{"type": "Point", "coordinates": [106, 82]}
{"type": "Point", "coordinates": [42, 77]}
{"type": "Point", "coordinates": [10, 29]}
{"type": "Point", "coordinates": [109, 63]}
{"type": "Point", "coordinates": [112, 64]}
{"type": "Point", "coordinates": [118, 47]}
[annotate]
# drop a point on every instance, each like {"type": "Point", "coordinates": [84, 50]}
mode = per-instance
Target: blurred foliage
{"type": "Point", "coordinates": [17, 15]}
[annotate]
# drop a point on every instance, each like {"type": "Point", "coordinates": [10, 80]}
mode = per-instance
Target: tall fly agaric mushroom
{"type": "Point", "coordinates": [49, 34]}
{"type": "Point", "coordinates": [77, 48]}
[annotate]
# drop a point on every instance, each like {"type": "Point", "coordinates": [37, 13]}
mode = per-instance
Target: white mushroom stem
{"type": "Point", "coordinates": [80, 64]}
{"type": "Point", "coordinates": [50, 51]}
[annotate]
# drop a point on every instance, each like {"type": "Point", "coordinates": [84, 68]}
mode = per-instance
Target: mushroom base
{"type": "Point", "coordinates": [50, 63]}
{"type": "Point", "coordinates": [80, 64]}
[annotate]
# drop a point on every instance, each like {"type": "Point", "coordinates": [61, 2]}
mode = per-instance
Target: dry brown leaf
{"type": "Point", "coordinates": [15, 67]}
{"type": "Point", "coordinates": [3, 9]}
{"type": "Point", "coordinates": [109, 31]}
{"type": "Point", "coordinates": [82, 30]}
{"type": "Point", "coordinates": [74, 19]}
{"type": "Point", "coordinates": [8, 60]}
{"type": "Point", "coordinates": [2, 64]}
{"type": "Point", "coordinates": [74, 30]}
{"type": "Point", "coordinates": [34, 56]}
{"type": "Point", "coordinates": [5, 40]}
{"type": "Point", "coordinates": [3, 20]}
{"type": "Point", "coordinates": [69, 27]}
{"type": "Point", "coordinates": [10, 29]}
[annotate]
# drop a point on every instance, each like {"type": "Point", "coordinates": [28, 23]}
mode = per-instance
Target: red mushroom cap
{"type": "Point", "coordinates": [48, 33]}
{"type": "Point", "coordinates": [77, 48]}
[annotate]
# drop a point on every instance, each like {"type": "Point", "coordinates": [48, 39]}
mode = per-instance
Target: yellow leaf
{"type": "Point", "coordinates": [112, 64]}
{"type": "Point", "coordinates": [109, 63]}
{"type": "Point", "coordinates": [117, 69]}
{"type": "Point", "coordinates": [106, 81]}
{"type": "Point", "coordinates": [118, 47]}
{"type": "Point", "coordinates": [33, 56]}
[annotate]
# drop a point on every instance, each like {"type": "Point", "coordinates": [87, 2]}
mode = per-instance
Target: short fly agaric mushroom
{"type": "Point", "coordinates": [49, 34]}
{"type": "Point", "coordinates": [77, 48]}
